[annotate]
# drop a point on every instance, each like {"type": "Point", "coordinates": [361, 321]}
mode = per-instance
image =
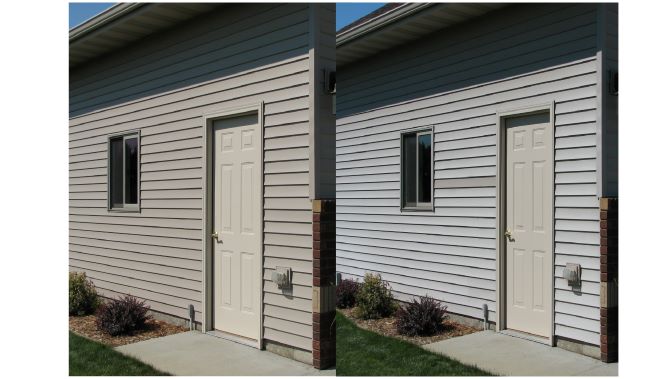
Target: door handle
{"type": "Point", "coordinates": [508, 234]}
{"type": "Point", "coordinates": [215, 235]}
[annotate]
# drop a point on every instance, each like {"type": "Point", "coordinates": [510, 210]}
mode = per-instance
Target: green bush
{"type": "Point", "coordinates": [83, 299]}
{"type": "Point", "coordinates": [374, 299]}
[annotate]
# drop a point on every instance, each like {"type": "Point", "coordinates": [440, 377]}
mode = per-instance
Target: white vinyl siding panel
{"type": "Point", "coordinates": [457, 81]}
{"type": "Point", "coordinates": [162, 86]}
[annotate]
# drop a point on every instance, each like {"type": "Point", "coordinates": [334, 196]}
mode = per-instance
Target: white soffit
{"type": "Point", "coordinates": [125, 23]}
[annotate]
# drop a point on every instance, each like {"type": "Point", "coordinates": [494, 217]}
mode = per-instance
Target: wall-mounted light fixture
{"type": "Point", "coordinates": [330, 82]}
{"type": "Point", "coordinates": [330, 87]}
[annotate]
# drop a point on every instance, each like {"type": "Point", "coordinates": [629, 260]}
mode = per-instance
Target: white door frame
{"type": "Point", "coordinates": [207, 295]}
{"type": "Point", "coordinates": [501, 194]}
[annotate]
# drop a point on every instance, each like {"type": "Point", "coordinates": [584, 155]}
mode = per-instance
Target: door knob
{"type": "Point", "coordinates": [215, 235]}
{"type": "Point", "coordinates": [508, 234]}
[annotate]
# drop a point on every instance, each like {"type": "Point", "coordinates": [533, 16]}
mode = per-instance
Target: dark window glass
{"type": "Point", "coordinates": [124, 171]}
{"type": "Point", "coordinates": [417, 169]}
{"type": "Point", "coordinates": [424, 168]}
{"type": "Point", "coordinates": [409, 169]}
{"type": "Point", "coordinates": [131, 170]}
{"type": "Point", "coordinates": [116, 172]}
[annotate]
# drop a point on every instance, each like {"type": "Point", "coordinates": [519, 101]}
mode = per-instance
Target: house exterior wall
{"type": "Point", "coordinates": [455, 82]}
{"type": "Point", "coordinates": [162, 86]}
{"type": "Point", "coordinates": [323, 186]}
{"type": "Point", "coordinates": [324, 119]}
{"type": "Point", "coordinates": [610, 65]}
{"type": "Point", "coordinates": [609, 208]}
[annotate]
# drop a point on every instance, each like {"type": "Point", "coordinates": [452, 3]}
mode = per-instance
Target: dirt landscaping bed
{"type": "Point", "coordinates": [86, 326]}
{"type": "Point", "coordinates": [386, 327]}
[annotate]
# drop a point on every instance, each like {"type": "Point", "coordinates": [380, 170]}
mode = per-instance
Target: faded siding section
{"type": "Point", "coordinates": [240, 54]}
{"type": "Point", "coordinates": [456, 81]}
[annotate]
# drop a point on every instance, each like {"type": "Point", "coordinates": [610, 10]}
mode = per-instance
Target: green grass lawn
{"type": "Point", "coordinates": [360, 352]}
{"type": "Point", "coordinates": [89, 358]}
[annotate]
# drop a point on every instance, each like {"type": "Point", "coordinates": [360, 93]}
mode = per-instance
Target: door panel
{"type": "Point", "coordinates": [237, 215]}
{"type": "Point", "coordinates": [529, 215]}
{"type": "Point", "coordinates": [225, 268]}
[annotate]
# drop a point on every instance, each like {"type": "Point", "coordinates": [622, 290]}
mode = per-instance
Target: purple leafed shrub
{"type": "Point", "coordinates": [421, 318]}
{"type": "Point", "coordinates": [346, 293]}
{"type": "Point", "coordinates": [122, 316]}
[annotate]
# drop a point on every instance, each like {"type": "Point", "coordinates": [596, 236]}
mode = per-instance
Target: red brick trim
{"type": "Point", "coordinates": [609, 229]}
{"type": "Point", "coordinates": [324, 287]}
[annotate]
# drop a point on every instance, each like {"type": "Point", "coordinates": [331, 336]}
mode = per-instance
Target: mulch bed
{"type": "Point", "coordinates": [386, 327]}
{"type": "Point", "coordinates": [86, 327]}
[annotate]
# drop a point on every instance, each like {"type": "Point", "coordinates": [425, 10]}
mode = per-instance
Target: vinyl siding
{"type": "Point", "coordinates": [325, 119]}
{"type": "Point", "coordinates": [162, 85]}
{"type": "Point", "coordinates": [610, 154]}
{"type": "Point", "coordinates": [455, 82]}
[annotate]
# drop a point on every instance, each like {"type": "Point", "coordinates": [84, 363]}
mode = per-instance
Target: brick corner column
{"type": "Point", "coordinates": [609, 222]}
{"type": "Point", "coordinates": [324, 286]}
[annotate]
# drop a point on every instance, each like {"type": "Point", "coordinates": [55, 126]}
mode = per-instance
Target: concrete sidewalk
{"type": "Point", "coordinates": [195, 353]}
{"type": "Point", "coordinates": [506, 355]}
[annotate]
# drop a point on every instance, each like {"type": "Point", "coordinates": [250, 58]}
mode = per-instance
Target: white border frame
{"type": "Point", "coordinates": [137, 208]}
{"type": "Point", "coordinates": [417, 130]}
{"type": "Point", "coordinates": [207, 199]}
{"type": "Point", "coordinates": [501, 301]}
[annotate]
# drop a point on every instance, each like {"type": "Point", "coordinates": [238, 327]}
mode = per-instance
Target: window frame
{"type": "Point", "coordinates": [134, 208]}
{"type": "Point", "coordinates": [419, 207]}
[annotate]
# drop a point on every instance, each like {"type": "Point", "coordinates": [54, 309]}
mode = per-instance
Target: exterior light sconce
{"type": "Point", "coordinates": [330, 82]}
{"type": "Point", "coordinates": [330, 87]}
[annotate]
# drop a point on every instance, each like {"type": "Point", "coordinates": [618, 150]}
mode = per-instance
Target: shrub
{"type": "Point", "coordinates": [122, 316]}
{"type": "Point", "coordinates": [421, 318]}
{"type": "Point", "coordinates": [346, 293]}
{"type": "Point", "coordinates": [83, 298]}
{"type": "Point", "coordinates": [374, 298]}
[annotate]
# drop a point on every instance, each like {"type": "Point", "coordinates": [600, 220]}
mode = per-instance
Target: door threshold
{"type": "Point", "coordinates": [526, 336]}
{"type": "Point", "coordinates": [234, 338]}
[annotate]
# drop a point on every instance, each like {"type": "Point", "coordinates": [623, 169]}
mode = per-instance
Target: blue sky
{"type": "Point", "coordinates": [345, 12]}
{"type": "Point", "coordinates": [80, 12]}
{"type": "Point", "coordinates": [348, 12]}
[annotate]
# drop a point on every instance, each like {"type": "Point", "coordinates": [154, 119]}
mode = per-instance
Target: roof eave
{"type": "Point", "coordinates": [124, 24]}
{"type": "Point", "coordinates": [379, 22]}
{"type": "Point", "coordinates": [114, 12]}
{"type": "Point", "coordinates": [403, 25]}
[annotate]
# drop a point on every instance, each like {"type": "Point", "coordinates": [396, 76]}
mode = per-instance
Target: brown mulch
{"type": "Point", "coordinates": [86, 327]}
{"type": "Point", "coordinates": [386, 327]}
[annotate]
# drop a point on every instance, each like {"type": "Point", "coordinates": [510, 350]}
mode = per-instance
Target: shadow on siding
{"type": "Point", "coordinates": [174, 58]}
{"type": "Point", "coordinates": [498, 45]}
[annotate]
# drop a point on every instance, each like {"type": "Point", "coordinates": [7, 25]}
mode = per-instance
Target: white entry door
{"type": "Point", "coordinates": [529, 229]}
{"type": "Point", "coordinates": [237, 224]}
